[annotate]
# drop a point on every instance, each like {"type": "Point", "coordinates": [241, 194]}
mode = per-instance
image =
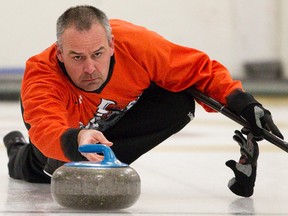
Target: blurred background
{"type": "Point", "coordinates": [248, 36]}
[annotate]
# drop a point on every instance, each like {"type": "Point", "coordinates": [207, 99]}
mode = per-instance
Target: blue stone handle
{"type": "Point", "coordinates": [109, 156]}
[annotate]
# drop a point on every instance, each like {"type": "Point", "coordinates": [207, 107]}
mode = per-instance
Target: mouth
{"type": "Point", "coordinates": [91, 79]}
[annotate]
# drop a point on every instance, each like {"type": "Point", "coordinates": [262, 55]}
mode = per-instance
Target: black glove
{"type": "Point", "coordinates": [244, 105]}
{"type": "Point", "coordinates": [245, 171]}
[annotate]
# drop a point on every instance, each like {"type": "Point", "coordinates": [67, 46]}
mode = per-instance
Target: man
{"type": "Point", "coordinates": [118, 84]}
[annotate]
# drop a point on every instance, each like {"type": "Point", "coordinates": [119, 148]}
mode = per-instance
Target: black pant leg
{"type": "Point", "coordinates": [156, 116]}
{"type": "Point", "coordinates": [27, 164]}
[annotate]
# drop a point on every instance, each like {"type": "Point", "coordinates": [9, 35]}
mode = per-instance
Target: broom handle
{"type": "Point", "coordinates": [228, 113]}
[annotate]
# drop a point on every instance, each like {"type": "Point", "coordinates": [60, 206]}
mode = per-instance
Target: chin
{"type": "Point", "coordinates": [91, 88]}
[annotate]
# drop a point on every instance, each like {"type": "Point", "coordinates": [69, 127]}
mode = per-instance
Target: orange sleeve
{"type": "Point", "coordinates": [175, 67]}
{"type": "Point", "coordinates": [44, 113]}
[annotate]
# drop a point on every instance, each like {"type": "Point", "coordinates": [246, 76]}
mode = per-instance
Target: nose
{"type": "Point", "coordinates": [89, 66]}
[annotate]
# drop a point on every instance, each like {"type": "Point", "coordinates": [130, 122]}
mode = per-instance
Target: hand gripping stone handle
{"type": "Point", "coordinates": [228, 113]}
{"type": "Point", "coordinates": [109, 156]}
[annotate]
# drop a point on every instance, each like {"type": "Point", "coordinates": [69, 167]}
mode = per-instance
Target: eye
{"type": "Point", "coordinates": [97, 54]}
{"type": "Point", "coordinates": [77, 58]}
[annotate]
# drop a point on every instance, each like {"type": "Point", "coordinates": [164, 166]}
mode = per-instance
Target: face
{"type": "Point", "coordinates": [86, 56]}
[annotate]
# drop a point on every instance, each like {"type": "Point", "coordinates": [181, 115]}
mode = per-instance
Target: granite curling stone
{"type": "Point", "coordinates": [106, 185]}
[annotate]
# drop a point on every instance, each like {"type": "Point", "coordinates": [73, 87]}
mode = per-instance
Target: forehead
{"type": "Point", "coordinates": [74, 38]}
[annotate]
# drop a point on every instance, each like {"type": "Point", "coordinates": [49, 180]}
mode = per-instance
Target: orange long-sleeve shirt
{"type": "Point", "coordinates": [52, 104]}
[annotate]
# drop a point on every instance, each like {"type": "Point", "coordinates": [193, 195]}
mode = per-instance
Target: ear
{"type": "Point", "coordinates": [111, 45]}
{"type": "Point", "coordinates": [59, 52]}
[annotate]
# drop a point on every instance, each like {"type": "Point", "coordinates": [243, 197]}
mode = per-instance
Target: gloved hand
{"type": "Point", "coordinates": [244, 105]}
{"type": "Point", "coordinates": [245, 170]}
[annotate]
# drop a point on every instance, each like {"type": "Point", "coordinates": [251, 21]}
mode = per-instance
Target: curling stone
{"type": "Point", "coordinates": [106, 185]}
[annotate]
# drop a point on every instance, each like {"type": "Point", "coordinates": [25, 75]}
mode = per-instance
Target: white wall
{"type": "Point", "coordinates": [283, 41]}
{"type": "Point", "coordinates": [256, 30]}
{"type": "Point", "coordinates": [230, 31]}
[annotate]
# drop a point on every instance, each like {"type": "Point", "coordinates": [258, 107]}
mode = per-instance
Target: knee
{"type": "Point", "coordinates": [182, 107]}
